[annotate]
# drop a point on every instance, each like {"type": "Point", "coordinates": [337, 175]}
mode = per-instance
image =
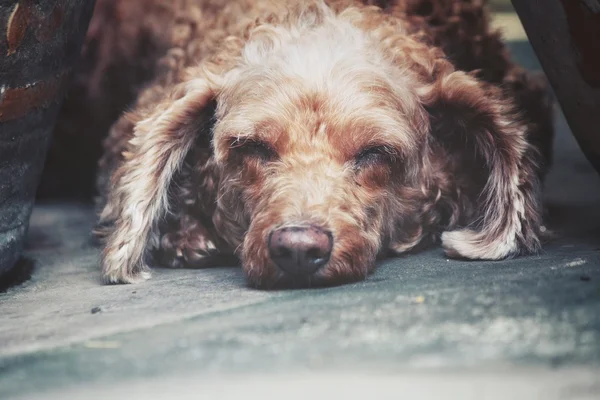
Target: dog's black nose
{"type": "Point", "coordinates": [300, 250]}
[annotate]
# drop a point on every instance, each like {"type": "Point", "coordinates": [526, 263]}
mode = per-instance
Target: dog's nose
{"type": "Point", "coordinates": [300, 250]}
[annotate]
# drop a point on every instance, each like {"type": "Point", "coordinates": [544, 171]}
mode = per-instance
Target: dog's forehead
{"type": "Point", "coordinates": [315, 124]}
{"type": "Point", "coordinates": [333, 55]}
{"type": "Point", "coordinates": [309, 51]}
{"type": "Point", "coordinates": [344, 117]}
{"type": "Point", "coordinates": [323, 85]}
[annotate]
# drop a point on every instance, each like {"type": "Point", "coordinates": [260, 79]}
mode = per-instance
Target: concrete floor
{"type": "Point", "coordinates": [421, 327]}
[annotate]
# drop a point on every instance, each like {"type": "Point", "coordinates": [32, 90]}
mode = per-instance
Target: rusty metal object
{"type": "Point", "coordinates": [25, 15]}
{"type": "Point", "coordinates": [40, 40]}
{"type": "Point", "coordinates": [565, 35]}
{"type": "Point", "coordinates": [18, 102]}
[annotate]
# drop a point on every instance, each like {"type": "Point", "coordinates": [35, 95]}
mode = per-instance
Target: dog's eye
{"type": "Point", "coordinates": [375, 155]}
{"type": "Point", "coordinates": [254, 148]}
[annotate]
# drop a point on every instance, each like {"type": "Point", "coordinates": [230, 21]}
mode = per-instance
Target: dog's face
{"type": "Point", "coordinates": [335, 136]}
{"type": "Point", "coordinates": [316, 137]}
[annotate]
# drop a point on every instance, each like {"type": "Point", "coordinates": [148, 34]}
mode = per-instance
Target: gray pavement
{"type": "Point", "coordinates": [422, 326]}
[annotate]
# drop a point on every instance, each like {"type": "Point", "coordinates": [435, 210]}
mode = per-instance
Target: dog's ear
{"type": "Point", "coordinates": [479, 129]}
{"type": "Point", "coordinates": [139, 187]}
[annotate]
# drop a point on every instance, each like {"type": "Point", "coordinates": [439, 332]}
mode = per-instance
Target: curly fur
{"type": "Point", "coordinates": [390, 123]}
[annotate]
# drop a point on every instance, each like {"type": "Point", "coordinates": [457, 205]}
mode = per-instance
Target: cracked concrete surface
{"type": "Point", "coordinates": [422, 326]}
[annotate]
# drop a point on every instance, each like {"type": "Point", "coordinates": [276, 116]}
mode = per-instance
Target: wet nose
{"type": "Point", "coordinates": [300, 250]}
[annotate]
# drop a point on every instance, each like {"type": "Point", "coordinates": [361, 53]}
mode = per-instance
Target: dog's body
{"type": "Point", "coordinates": [309, 138]}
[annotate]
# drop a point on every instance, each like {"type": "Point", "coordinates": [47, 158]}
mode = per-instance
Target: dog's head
{"type": "Point", "coordinates": [332, 132]}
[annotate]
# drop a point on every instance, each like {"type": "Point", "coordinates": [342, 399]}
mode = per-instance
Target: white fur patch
{"type": "Point", "coordinates": [472, 245]}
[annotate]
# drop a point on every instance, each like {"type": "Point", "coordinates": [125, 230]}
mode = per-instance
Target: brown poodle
{"type": "Point", "coordinates": [310, 137]}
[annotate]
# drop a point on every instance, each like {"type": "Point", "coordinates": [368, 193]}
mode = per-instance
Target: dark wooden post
{"type": "Point", "coordinates": [565, 35]}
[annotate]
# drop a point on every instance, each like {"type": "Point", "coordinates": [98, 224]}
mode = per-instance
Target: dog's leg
{"type": "Point", "coordinates": [186, 243]}
{"type": "Point", "coordinates": [188, 238]}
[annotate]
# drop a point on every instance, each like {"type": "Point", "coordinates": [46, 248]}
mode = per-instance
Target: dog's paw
{"type": "Point", "coordinates": [122, 276]}
{"type": "Point", "coordinates": [191, 249]}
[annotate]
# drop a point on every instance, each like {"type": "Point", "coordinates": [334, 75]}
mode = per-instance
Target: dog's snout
{"type": "Point", "coordinates": [300, 250]}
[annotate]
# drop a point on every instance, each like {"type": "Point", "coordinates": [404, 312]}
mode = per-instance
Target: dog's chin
{"type": "Point", "coordinates": [281, 280]}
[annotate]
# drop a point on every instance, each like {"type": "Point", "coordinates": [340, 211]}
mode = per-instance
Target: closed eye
{"type": "Point", "coordinates": [254, 148]}
{"type": "Point", "coordinates": [375, 155]}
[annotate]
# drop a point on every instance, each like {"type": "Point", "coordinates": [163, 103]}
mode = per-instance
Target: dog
{"type": "Point", "coordinates": [311, 138]}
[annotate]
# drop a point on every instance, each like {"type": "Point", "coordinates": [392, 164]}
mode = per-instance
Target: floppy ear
{"type": "Point", "coordinates": [139, 187]}
{"type": "Point", "coordinates": [480, 130]}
